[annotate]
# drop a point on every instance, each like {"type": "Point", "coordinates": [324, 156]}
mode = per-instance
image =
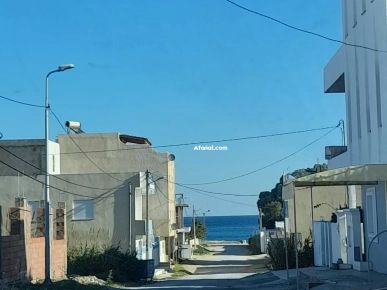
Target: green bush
{"type": "Point", "coordinates": [106, 262]}
{"type": "Point", "coordinates": [255, 244]}
{"type": "Point", "coordinates": [277, 254]}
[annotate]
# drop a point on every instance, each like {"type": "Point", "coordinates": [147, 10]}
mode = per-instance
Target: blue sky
{"type": "Point", "coordinates": [178, 72]}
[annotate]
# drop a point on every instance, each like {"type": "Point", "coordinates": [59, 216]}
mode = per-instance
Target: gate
{"type": "Point", "coordinates": [322, 234]}
{"type": "Point", "coordinates": [156, 252]}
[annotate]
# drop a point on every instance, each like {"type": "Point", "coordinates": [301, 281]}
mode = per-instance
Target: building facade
{"type": "Point", "coordinates": [115, 152]}
{"type": "Point", "coordinates": [106, 173]}
{"type": "Point", "coordinates": [360, 73]}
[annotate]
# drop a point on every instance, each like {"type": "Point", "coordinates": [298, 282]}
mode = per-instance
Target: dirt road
{"type": "Point", "coordinates": [228, 266]}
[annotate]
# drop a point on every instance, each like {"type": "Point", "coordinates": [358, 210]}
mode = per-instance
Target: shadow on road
{"type": "Point", "coordinates": [217, 282]}
{"type": "Point", "coordinates": [235, 250]}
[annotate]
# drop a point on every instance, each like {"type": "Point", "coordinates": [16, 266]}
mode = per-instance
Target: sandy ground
{"type": "Point", "coordinates": [228, 266]}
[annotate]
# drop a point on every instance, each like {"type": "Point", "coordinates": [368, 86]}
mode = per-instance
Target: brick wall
{"type": "Point", "coordinates": [23, 255]}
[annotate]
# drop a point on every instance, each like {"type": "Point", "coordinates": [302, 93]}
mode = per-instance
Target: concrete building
{"type": "Point", "coordinates": [94, 217]}
{"type": "Point", "coordinates": [182, 243]}
{"type": "Point", "coordinates": [113, 153]}
{"type": "Point", "coordinates": [360, 74]}
{"type": "Point", "coordinates": [110, 165]}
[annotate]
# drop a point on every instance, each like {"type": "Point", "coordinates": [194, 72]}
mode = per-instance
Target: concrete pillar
{"type": "Point", "coordinates": [351, 189]}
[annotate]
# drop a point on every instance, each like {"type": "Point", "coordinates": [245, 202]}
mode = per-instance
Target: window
{"type": "Point", "coordinates": [372, 221]}
{"type": "Point", "coordinates": [83, 210]}
{"type": "Point", "coordinates": [33, 205]}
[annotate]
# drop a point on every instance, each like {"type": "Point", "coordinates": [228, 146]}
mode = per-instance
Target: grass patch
{"type": "Point", "coordinates": [108, 263]}
{"type": "Point", "coordinates": [179, 271]}
{"type": "Point", "coordinates": [200, 250]}
{"type": "Point", "coordinates": [205, 245]}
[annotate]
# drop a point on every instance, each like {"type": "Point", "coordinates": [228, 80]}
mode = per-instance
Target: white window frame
{"type": "Point", "coordinates": [79, 202]}
{"type": "Point", "coordinates": [33, 209]}
{"type": "Point", "coordinates": [371, 191]}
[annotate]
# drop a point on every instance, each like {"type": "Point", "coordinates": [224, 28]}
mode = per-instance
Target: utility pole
{"type": "Point", "coordinates": [194, 225]}
{"type": "Point", "coordinates": [260, 219]}
{"type": "Point", "coordinates": [285, 234]}
{"type": "Point", "coordinates": [147, 214]}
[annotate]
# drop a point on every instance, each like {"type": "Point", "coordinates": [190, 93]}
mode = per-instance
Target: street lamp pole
{"type": "Point", "coordinates": [47, 232]}
{"type": "Point", "coordinates": [204, 217]}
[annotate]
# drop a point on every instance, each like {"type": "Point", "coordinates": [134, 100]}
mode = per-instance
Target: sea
{"type": "Point", "coordinates": [228, 228]}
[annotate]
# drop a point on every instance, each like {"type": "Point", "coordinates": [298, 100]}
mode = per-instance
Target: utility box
{"type": "Point", "coordinates": [186, 252]}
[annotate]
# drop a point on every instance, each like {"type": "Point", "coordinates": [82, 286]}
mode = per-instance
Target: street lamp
{"type": "Point", "coordinates": [47, 231]}
{"type": "Point", "coordinates": [204, 217]}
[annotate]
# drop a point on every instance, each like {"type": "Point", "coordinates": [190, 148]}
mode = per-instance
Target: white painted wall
{"type": "Point", "coordinates": [54, 159]}
{"type": "Point", "coordinates": [365, 72]}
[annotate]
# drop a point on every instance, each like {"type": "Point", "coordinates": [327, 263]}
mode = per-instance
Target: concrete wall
{"type": "Point", "coordinates": [332, 195]}
{"type": "Point", "coordinates": [113, 156]}
{"type": "Point", "coordinates": [339, 161]}
{"type": "Point", "coordinates": [110, 224]}
{"type": "Point", "coordinates": [378, 253]}
{"type": "Point", "coordinates": [32, 151]}
{"type": "Point", "coordinates": [365, 72]}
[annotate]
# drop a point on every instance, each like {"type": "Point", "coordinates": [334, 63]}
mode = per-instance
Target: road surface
{"type": "Point", "coordinates": [229, 266]}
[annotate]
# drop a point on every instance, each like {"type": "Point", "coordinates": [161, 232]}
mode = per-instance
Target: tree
{"type": "Point", "coordinates": [200, 229]}
{"type": "Point", "coordinates": [271, 214]}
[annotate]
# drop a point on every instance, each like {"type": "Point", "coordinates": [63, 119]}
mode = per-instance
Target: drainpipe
{"type": "Point", "coordinates": [130, 216]}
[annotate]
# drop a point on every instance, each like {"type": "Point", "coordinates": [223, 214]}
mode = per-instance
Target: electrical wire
{"type": "Point", "coordinates": [21, 103]}
{"type": "Point", "coordinates": [206, 142]}
{"type": "Point", "coordinates": [303, 30]}
{"type": "Point", "coordinates": [55, 176]}
{"type": "Point", "coordinates": [43, 183]}
{"type": "Point", "coordinates": [60, 123]}
{"type": "Point", "coordinates": [206, 191]}
{"type": "Point", "coordinates": [267, 166]}
{"type": "Point", "coordinates": [235, 202]}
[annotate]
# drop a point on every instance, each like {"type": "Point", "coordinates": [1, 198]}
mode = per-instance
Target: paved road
{"type": "Point", "coordinates": [229, 266]}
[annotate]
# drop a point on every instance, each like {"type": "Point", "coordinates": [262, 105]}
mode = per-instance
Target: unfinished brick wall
{"type": "Point", "coordinates": [13, 253]}
{"type": "Point", "coordinates": [23, 256]}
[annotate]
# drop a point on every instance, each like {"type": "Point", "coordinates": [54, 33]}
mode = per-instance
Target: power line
{"type": "Point", "coordinates": [235, 202]}
{"type": "Point", "coordinates": [213, 141]}
{"type": "Point", "coordinates": [60, 123]}
{"type": "Point", "coordinates": [211, 192]}
{"type": "Point", "coordinates": [21, 103]}
{"type": "Point", "coordinates": [43, 183]}
{"type": "Point", "coordinates": [267, 166]}
{"type": "Point", "coordinates": [55, 176]}
{"type": "Point", "coordinates": [303, 30]}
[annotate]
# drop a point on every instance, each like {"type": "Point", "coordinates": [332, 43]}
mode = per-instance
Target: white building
{"type": "Point", "coordinates": [361, 74]}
